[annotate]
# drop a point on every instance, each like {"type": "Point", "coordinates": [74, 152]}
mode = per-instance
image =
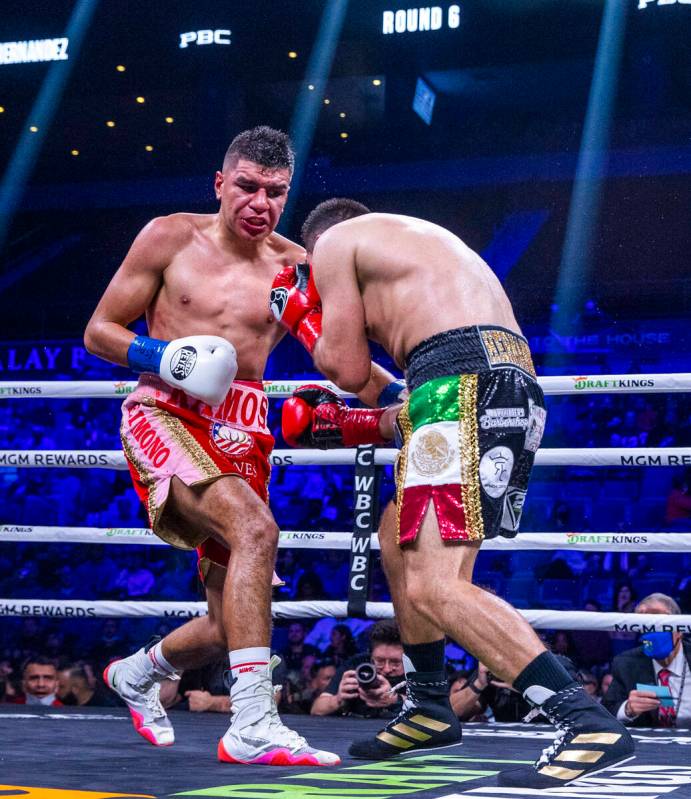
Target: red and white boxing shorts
{"type": "Point", "coordinates": [165, 433]}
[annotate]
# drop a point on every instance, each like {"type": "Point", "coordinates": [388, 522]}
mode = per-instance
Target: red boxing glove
{"type": "Point", "coordinates": [316, 417]}
{"type": "Point", "coordinates": [296, 304]}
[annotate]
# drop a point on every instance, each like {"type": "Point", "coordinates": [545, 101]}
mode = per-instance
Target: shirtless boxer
{"type": "Point", "coordinates": [199, 414]}
{"type": "Point", "coordinates": [470, 430]}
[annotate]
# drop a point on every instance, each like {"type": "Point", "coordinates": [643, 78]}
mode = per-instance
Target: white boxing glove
{"type": "Point", "coordinates": [202, 366]}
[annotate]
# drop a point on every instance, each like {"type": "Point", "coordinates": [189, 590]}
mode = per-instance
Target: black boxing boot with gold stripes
{"type": "Point", "coordinates": [589, 739]}
{"type": "Point", "coordinates": [426, 721]}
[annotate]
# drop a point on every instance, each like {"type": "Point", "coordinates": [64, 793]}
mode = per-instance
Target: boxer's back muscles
{"type": "Point", "coordinates": [415, 278]}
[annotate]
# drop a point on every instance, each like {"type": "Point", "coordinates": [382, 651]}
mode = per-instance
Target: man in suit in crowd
{"type": "Point", "coordinates": [663, 659]}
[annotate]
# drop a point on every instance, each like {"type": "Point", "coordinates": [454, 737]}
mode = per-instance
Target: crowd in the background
{"type": "Point", "coordinates": [359, 672]}
{"type": "Point", "coordinates": [311, 655]}
{"type": "Point", "coordinates": [320, 498]}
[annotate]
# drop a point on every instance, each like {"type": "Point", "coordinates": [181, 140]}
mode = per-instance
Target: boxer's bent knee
{"type": "Point", "coordinates": [240, 517]}
{"type": "Point", "coordinates": [261, 538]}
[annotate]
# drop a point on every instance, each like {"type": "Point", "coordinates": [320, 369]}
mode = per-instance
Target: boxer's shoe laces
{"type": "Point", "coordinates": [565, 731]}
{"type": "Point", "coordinates": [410, 701]}
{"type": "Point", "coordinates": [152, 700]}
{"type": "Point", "coordinates": [549, 752]}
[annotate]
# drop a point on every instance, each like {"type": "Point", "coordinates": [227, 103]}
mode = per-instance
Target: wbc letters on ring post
{"type": "Point", "coordinates": [366, 515]}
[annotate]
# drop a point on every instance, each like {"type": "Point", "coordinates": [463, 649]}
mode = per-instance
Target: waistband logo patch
{"type": "Point", "coordinates": [431, 454]}
{"type": "Point", "coordinates": [230, 441]}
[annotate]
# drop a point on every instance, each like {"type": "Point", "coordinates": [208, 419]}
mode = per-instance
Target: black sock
{"type": "Point", "coordinates": [545, 671]}
{"type": "Point", "coordinates": [427, 657]}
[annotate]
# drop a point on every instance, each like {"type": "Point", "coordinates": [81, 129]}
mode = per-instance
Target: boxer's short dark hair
{"type": "Point", "coordinates": [264, 145]}
{"type": "Point", "coordinates": [327, 214]}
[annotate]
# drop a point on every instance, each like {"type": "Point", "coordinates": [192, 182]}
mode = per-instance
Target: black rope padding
{"type": "Point", "coordinates": [365, 522]}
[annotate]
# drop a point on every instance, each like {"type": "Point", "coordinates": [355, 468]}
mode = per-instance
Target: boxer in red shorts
{"type": "Point", "coordinates": [167, 433]}
{"type": "Point", "coordinates": [202, 281]}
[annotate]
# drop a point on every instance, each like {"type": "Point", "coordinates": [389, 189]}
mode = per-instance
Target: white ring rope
{"type": "Point", "coordinates": [315, 539]}
{"type": "Point", "coordinates": [540, 619]}
{"type": "Point", "coordinates": [572, 456]}
{"type": "Point", "coordinates": [551, 385]}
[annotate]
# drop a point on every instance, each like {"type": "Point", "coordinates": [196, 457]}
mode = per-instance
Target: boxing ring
{"type": "Point", "coordinates": [663, 762]}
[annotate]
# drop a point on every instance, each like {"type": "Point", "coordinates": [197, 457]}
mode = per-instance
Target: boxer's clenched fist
{"type": "Point", "coordinates": [296, 305]}
{"type": "Point", "coordinates": [316, 417]}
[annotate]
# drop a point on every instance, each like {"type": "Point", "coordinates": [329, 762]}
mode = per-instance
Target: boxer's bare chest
{"type": "Point", "coordinates": [208, 291]}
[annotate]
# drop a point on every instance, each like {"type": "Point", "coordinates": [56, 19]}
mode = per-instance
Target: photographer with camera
{"type": "Point", "coordinates": [363, 685]}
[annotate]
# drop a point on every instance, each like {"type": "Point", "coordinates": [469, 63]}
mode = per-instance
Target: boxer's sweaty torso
{"type": "Point", "coordinates": [208, 289]}
{"type": "Point", "coordinates": [418, 279]}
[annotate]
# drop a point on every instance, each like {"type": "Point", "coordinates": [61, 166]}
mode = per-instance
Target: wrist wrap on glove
{"type": "Point", "coordinates": [316, 417]}
{"type": "Point", "coordinates": [144, 354]}
{"type": "Point", "coordinates": [392, 394]}
{"type": "Point", "coordinates": [202, 366]}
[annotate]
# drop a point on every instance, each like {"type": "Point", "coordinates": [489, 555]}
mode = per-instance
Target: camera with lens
{"type": "Point", "coordinates": [366, 675]}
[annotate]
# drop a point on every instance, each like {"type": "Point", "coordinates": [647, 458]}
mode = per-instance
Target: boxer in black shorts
{"type": "Point", "coordinates": [470, 430]}
{"type": "Point", "coordinates": [471, 426]}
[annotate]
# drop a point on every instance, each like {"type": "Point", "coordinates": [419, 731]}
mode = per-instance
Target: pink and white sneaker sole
{"type": "Point", "coordinates": [276, 757]}
{"type": "Point", "coordinates": [137, 718]}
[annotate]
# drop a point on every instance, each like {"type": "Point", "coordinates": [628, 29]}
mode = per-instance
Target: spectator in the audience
{"type": "Point", "coordinates": [297, 649]}
{"type": "Point", "coordinates": [300, 698]}
{"type": "Point", "coordinates": [342, 646]}
{"type": "Point", "coordinates": [591, 647]}
{"type": "Point", "coordinates": [77, 686]}
{"type": "Point", "coordinates": [624, 598]}
{"type": "Point", "coordinates": [624, 602]}
{"type": "Point", "coordinates": [322, 673]}
{"type": "Point", "coordinates": [110, 645]}
{"type": "Point", "coordinates": [7, 687]}
{"type": "Point", "coordinates": [678, 512]}
{"type": "Point", "coordinates": [39, 683]}
{"type": "Point", "coordinates": [320, 634]}
{"type": "Point", "coordinates": [562, 644]}
{"type": "Point", "coordinates": [309, 587]}
{"type": "Point", "coordinates": [663, 659]}
{"type": "Point", "coordinates": [605, 682]}
{"type": "Point", "coordinates": [642, 568]}
{"type": "Point", "coordinates": [290, 571]}
{"type": "Point", "coordinates": [589, 682]}
{"type": "Point", "coordinates": [348, 695]}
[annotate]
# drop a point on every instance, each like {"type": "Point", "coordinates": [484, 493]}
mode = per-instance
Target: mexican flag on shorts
{"type": "Point", "coordinates": [439, 462]}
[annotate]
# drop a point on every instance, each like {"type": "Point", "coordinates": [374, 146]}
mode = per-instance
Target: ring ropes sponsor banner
{"type": "Point", "coordinates": [315, 539]}
{"type": "Point", "coordinates": [540, 619]}
{"type": "Point", "coordinates": [114, 459]}
{"type": "Point", "coordinates": [366, 518]}
{"type": "Point", "coordinates": [280, 389]}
